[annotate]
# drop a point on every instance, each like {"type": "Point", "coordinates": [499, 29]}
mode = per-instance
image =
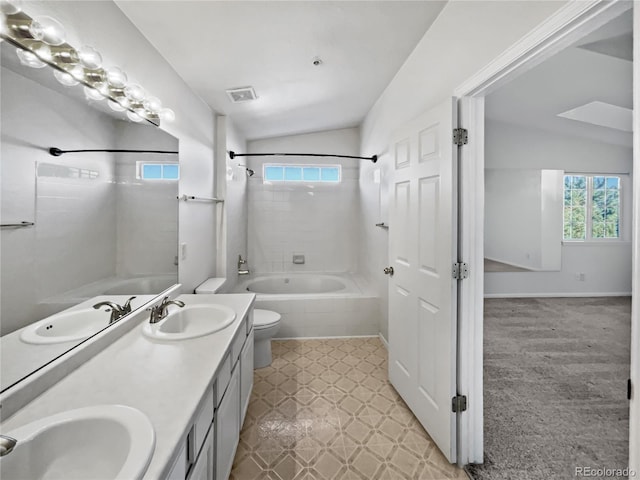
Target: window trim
{"type": "Point", "coordinates": [302, 181]}
{"type": "Point", "coordinates": [140, 167]}
{"type": "Point", "coordinates": [589, 239]}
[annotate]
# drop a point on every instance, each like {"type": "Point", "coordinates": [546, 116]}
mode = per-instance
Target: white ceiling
{"type": "Point", "coordinates": [270, 45]}
{"type": "Point", "coordinates": [596, 69]}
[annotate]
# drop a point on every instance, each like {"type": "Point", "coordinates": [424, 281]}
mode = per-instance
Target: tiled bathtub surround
{"type": "Point", "coordinates": [319, 221]}
{"type": "Point", "coordinates": [325, 410]}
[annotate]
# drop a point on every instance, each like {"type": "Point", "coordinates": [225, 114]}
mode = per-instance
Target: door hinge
{"type": "Point", "coordinates": [460, 136]}
{"type": "Point", "coordinates": [629, 391]}
{"type": "Point", "coordinates": [459, 403]}
{"type": "Point", "coordinates": [460, 271]}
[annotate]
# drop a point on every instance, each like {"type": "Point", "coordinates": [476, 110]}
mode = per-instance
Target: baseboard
{"type": "Point", "coordinates": [557, 294]}
{"type": "Point", "coordinates": [324, 338]}
{"type": "Point", "coordinates": [384, 341]}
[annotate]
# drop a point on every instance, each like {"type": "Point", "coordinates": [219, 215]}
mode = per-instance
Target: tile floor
{"type": "Point", "coordinates": [324, 410]}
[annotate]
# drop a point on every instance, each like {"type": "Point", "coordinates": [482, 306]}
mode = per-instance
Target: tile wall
{"type": "Point", "coordinates": [316, 220]}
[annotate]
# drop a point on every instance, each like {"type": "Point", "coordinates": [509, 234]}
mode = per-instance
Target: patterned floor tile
{"type": "Point", "coordinates": [325, 410]}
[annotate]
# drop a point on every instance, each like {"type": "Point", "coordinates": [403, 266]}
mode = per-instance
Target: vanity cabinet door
{"type": "Point", "coordinates": [203, 468]}
{"type": "Point", "coordinates": [179, 469]}
{"type": "Point", "coordinates": [227, 425]}
{"type": "Point", "coordinates": [246, 376]}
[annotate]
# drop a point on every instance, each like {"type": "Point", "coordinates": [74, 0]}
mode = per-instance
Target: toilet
{"type": "Point", "coordinates": [265, 325]}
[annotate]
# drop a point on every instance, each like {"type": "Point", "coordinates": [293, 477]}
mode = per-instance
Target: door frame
{"type": "Point", "coordinates": [571, 22]}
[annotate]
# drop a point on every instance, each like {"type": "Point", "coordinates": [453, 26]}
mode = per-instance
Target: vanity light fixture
{"type": "Point", "coordinates": [41, 41]}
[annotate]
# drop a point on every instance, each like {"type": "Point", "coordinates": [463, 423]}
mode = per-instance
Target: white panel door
{"type": "Point", "coordinates": [422, 291]}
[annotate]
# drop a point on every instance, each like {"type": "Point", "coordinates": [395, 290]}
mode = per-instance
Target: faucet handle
{"type": "Point", "coordinates": [7, 444]}
{"type": "Point", "coordinates": [127, 305]}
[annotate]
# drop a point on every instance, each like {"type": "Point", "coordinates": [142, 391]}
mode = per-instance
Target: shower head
{"type": "Point", "coordinates": [250, 172]}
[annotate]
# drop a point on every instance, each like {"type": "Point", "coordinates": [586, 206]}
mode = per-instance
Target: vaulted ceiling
{"type": "Point", "coordinates": [598, 69]}
{"type": "Point", "coordinates": [272, 45]}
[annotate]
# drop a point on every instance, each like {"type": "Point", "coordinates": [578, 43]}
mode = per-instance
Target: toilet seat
{"type": "Point", "coordinates": [264, 318]}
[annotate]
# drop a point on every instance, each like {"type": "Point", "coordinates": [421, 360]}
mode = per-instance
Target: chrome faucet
{"type": "Point", "coordinates": [160, 311]}
{"type": "Point", "coordinates": [241, 262]}
{"type": "Point", "coordinates": [117, 311]}
{"type": "Point", "coordinates": [7, 444]}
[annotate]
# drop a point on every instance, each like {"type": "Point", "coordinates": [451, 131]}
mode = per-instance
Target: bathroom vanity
{"type": "Point", "coordinates": [194, 391]}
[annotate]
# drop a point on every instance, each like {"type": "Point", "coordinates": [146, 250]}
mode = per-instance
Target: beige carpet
{"type": "Point", "coordinates": [555, 384]}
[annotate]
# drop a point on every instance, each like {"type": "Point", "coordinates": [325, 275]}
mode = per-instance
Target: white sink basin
{"type": "Point", "coordinates": [99, 443]}
{"type": "Point", "coordinates": [191, 321]}
{"type": "Point", "coordinates": [67, 326]}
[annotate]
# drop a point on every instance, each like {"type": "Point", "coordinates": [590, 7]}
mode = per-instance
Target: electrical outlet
{"type": "Point", "coordinates": [580, 277]}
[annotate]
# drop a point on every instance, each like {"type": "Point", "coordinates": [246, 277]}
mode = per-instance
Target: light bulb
{"type": "Point", "coordinates": [94, 93]}
{"type": "Point", "coordinates": [167, 115]}
{"type": "Point", "coordinates": [10, 7]}
{"type": "Point", "coordinates": [134, 92]}
{"type": "Point", "coordinates": [29, 59]}
{"type": "Point", "coordinates": [65, 78]}
{"type": "Point", "coordinates": [41, 50]}
{"type": "Point", "coordinates": [4, 30]}
{"type": "Point", "coordinates": [76, 72]}
{"type": "Point", "coordinates": [115, 106]}
{"type": "Point", "coordinates": [136, 116]}
{"type": "Point", "coordinates": [90, 57]}
{"type": "Point", "coordinates": [47, 30]}
{"type": "Point", "coordinates": [116, 77]}
{"type": "Point", "coordinates": [152, 104]}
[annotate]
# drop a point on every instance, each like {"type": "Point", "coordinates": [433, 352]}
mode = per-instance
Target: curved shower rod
{"type": "Point", "coordinates": [56, 152]}
{"type": "Point", "coordinates": [232, 155]}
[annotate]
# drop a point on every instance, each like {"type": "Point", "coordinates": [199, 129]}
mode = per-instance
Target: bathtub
{"type": "Point", "coordinates": [141, 285]}
{"type": "Point", "coordinates": [315, 305]}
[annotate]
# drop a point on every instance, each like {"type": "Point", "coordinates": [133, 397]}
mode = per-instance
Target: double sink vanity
{"type": "Point", "coordinates": [161, 400]}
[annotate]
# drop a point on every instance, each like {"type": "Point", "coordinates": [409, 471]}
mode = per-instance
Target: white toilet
{"type": "Point", "coordinates": [265, 325]}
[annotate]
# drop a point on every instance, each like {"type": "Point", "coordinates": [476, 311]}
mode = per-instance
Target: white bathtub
{"type": "Point", "coordinates": [316, 304]}
{"type": "Point", "coordinates": [142, 285]}
{"type": "Point", "coordinates": [301, 284]}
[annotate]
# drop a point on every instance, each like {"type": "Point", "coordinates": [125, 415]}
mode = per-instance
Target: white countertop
{"type": "Point", "coordinates": [164, 380]}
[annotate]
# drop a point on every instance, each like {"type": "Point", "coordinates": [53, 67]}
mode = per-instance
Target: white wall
{"type": "Point", "coordinates": [319, 221]}
{"type": "Point", "coordinates": [465, 37]}
{"type": "Point", "coordinates": [607, 268]}
{"type": "Point", "coordinates": [233, 213]}
{"type": "Point", "coordinates": [74, 217]}
{"type": "Point", "coordinates": [147, 210]}
{"type": "Point", "coordinates": [523, 217]}
{"type": "Point", "coordinates": [102, 24]}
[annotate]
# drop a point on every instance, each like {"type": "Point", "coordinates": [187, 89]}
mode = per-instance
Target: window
{"type": "Point", "coordinates": [592, 207]}
{"type": "Point", "coordinates": [158, 171]}
{"type": "Point", "coordinates": [302, 173]}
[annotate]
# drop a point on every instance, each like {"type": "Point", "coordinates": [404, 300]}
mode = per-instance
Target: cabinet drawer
{"type": "Point", "coordinates": [203, 420]}
{"type": "Point", "coordinates": [223, 377]}
{"type": "Point", "coordinates": [238, 342]}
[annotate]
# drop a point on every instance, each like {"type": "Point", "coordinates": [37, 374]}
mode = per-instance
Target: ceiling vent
{"type": "Point", "coordinates": [244, 94]}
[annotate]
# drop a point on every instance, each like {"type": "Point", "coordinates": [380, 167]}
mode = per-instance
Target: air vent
{"type": "Point", "coordinates": [243, 94]}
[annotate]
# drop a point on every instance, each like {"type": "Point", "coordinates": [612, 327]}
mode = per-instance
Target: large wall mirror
{"type": "Point", "coordinates": [81, 228]}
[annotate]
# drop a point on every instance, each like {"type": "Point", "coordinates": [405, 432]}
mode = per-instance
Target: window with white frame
{"type": "Point", "coordinates": [302, 173]}
{"type": "Point", "coordinates": [158, 171]}
{"type": "Point", "coordinates": [592, 207]}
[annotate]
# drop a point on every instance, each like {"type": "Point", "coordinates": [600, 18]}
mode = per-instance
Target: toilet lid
{"type": "Point", "coordinates": [264, 318]}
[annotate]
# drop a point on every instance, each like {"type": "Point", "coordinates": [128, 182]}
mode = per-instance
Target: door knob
{"type": "Point", "coordinates": [388, 271]}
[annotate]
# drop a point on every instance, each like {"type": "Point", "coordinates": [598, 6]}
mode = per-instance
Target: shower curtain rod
{"type": "Point", "coordinates": [56, 152]}
{"type": "Point", "coordinates": [232, 155]}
